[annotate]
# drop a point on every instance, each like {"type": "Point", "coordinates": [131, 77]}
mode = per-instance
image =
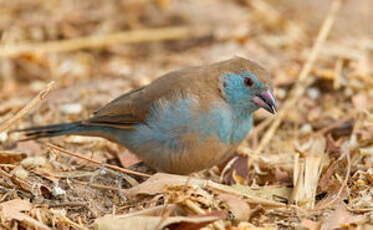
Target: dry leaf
{"type": "Point", "coordinates": [13, 210]}
{"type": "Point", "coordinates": [110, 222]}
{"type": "Point", "coordinates": [7, 157]}
{"type": "Point", "coordinates": [235, 169]}
{"type": "Point", "coordinates": [127, 159]}
{"type": "Point", "coordinates": [172, 209]}
{"type": "Point", "coordinates": [267, 192]}
{"type": "Point", "coordinates": [239, 208]}
{"type": "Point", "coordinates": [157, 183]}
{"type": "Point", "coordinates": [245, 193]}
{"type": "Point", "coordinates": [341, 217]}
{"type": "Point", "coordinates": [310, 225]}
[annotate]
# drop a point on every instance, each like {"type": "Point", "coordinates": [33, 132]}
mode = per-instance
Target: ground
{"type": "Point", "coordinates": [313, 171]}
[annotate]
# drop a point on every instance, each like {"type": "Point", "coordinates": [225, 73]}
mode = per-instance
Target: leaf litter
{"type": "Point", "coordinates": [309, 168]}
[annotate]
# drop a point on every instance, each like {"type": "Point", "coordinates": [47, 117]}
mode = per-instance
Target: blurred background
{"type": "Point", "coordinates": [98, 49]}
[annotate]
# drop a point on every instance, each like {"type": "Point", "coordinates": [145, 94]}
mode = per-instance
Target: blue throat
{"type": "Point", "coordinates": [231, 127]}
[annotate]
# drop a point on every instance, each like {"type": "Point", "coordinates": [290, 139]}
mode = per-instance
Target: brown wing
{"type": "Point", "coordinates": [131, 108]}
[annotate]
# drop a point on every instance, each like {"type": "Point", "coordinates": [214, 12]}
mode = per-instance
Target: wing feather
{"type": "Point", "coordinates": [131, 108]}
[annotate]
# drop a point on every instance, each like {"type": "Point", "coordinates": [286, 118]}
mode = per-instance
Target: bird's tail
{"type": "Point", "coordinates": [76, 128]}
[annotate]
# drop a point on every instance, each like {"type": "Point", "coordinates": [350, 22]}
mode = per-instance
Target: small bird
{"type": "Point", "coordinates": [185, 121]}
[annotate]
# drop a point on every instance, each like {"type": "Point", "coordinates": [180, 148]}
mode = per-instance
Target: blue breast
{"type": "Point", "coordinates": [230, 127]}
{"type": "Point", "coordinates": [169, 121]}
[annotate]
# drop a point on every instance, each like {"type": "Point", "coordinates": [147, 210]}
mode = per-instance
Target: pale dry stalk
{"type": "Point", "coordinates": [94, 41]}
{"type": "Point", "coordinates": [303, 80]}
{"type": "Point", "coordinates": [307, 172]}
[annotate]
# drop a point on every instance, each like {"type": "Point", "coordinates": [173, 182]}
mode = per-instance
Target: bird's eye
{"type": "Point", "coordinates": [248, 82]}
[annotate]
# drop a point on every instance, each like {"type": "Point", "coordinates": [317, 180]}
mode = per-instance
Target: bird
{"type": "Point", "coordinates": [185, 121]}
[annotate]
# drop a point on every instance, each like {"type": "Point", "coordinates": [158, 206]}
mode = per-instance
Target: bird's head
{"type": "Point", "coordinates": [246, 86]}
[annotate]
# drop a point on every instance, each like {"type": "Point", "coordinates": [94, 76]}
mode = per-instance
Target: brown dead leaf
{"type": "Point", "coordinates": [159, 210]}
{"type": "Point", "coordinates": [157, 183]}
{"type": "Point", "coordinates": [341, 217]}
{"type": "Point", "coordinates": [235, 169]}
{"type": "Point", "coordinates": [239, 208]}
{"type": "Point", "coordinates": [7, 157]}
{"type": "Point", "coordinates": [281, 176]}
{"type": "Point", "coordinates": [269, 193]}
{"type": "Point", "coordinates": [310, 225]}
{"type": "Point", "coordinates": [246, 193]}
{"type": "Point", "coordinates": [13, 210]}
{"type": "Point", "coordinates": [127, 159]}
{"type": "Point", "coordinates": [110, 222]}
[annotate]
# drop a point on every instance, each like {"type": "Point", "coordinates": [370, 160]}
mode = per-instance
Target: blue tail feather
{"type": "Point", "coordinates": [54, 130]}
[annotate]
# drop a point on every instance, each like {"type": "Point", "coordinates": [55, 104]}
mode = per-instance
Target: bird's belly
{"type": "Point", "coordinates": [183, 154]}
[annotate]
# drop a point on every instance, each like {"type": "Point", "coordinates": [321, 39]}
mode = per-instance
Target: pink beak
{"type": "Point", "coordinates": [266, 100]}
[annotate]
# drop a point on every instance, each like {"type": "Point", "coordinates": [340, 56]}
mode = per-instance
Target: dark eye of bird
{"type": "Point", "coordinates": [248, 82]}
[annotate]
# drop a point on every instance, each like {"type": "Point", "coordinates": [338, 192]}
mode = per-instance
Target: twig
{"type": "Point", "coordinates": [303, 82]}
{"type": "Point", "coordinates": [6, 124]}
{"type": "Point", "coordinates": [98, 162]}
{"type": "Point", "coordinates": [136, 36]}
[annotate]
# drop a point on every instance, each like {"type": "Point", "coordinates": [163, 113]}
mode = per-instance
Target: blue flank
{"type": "Point", "coordinates": [163, 129]}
